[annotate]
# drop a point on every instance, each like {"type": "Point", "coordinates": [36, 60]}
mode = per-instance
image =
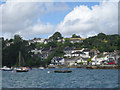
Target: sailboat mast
{"type": "Point", "coordinates": [19, 58]}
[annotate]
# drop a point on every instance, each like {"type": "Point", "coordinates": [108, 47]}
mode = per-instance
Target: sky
{"type": "Point", "coordinates": [42, 19]}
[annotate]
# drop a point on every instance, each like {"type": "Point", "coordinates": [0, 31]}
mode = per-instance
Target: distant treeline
{"type": "Point", "coordinates": [104, 43]}
{"type": "Point", "coordinates": [10, 53]}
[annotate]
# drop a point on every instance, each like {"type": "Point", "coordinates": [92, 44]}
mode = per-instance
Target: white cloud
{"type": "Point", "coordinates": [24, 18]}
{"type": "Point", "coordinates": [38, 29]}
{"type": "Point", "coordinates": [88, 22]}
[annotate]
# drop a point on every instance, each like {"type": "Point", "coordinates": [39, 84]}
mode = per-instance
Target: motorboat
{"type": "Point", "coordinates": [41, 67]}
{"type": "Point", "coordinates": [5, 68]}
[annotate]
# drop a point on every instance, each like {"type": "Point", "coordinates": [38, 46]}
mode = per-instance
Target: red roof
{"type": "Point", "coordinates": [111, 63]}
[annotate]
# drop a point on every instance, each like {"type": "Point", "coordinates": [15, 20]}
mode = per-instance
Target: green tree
{"type": "Point", "coordinates": [56, 36]}
{"type": "Point", "coordinates": [75, 36]}
{"type": "Point", "coordinates": [3, 43]}
{"type": "Point", "coordinates": [17, 39]}
{"type": "Point", "coordinates": [11, 53]}
{"type": "Point", "coordinates": [52, 44]}
{"type": "Point", "coordinates": [67, 43]}
{"type": "Point", "coordinates": [11, 40]}
{"type": "Point", "coordinates": [58, 52]}
{"type": "Point", "coordinates": [88, 61]}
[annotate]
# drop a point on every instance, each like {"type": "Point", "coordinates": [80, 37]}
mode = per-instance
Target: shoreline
{"type": "Point", "coordinates": [90, 67]}
{"type": "Point", "coordinates": [81, 66]}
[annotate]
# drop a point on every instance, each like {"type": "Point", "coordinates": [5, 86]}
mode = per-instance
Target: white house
{"type": "Point", "coordinates": [58, 61]}
{"type": "Point", "coordinates": [86, 53]}
{"type": "Point", "coordinates": [77, 50]}
{"type": "Point", "coordinates": [70, 62]}
{"type": "Point", "coordinates": [61, 40]}
{"type": "Point", "coordinates": [96, 61]}
{"type": "Point", "coordinates": [47, 40]}
{"type": "Point", "coordinates": [82, 60]}
{"type": "Point", "coordinates": [36, 51]}
{"type": "Point", "coordinates": [78, 53]}
{"type": "Point", "coordinates": [68, 52]}
{"type": "Point", "coordinates": [38, 40]}
{"type": "Point", "coordinates": [9, 43]}
{"type": "Point", "coordinates": [76, 40]}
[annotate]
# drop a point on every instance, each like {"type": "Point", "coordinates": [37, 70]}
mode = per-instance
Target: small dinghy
{"type": "Point", "coordinates": [62, 71]}
{"type": "Point", "coordinates": [5, 68]}
{"type": "Point", "coordinates": [41, 68]}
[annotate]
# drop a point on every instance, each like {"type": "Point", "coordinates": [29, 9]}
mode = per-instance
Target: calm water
{"type": "Point", "coordinates": [79, 78]}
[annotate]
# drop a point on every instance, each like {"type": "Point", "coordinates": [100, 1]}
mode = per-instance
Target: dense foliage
{"type": "Point", "coordinates": [75, 36]}
{"type": "Point", "coordinates": [10, 53]}
{"type": "Point", "coordinates": [103, 42]}
{"type": "Point", "coordinates": [56, 36]}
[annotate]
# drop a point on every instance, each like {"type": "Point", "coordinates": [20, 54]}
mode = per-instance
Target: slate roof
{"type": "Point", "coordinates": [85, 59]}
{"type": "Point", "coordinates": [58, 59]}
{"type": "Point", "coordinates": [69, 48]}
{"type": "Point", "coordinates": [78, 53]}
{"type": "Point", "coordinates": [86, 50]}
{"type": "Point", "coordinates": [45, 49]}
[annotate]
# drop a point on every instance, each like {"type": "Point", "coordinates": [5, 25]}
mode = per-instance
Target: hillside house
{"type": "Point", "coordinates": [61, 40]}
{"type": "Point", "coordinates": [87, 53]}
{"type": "Point", "coordinates": [36, 40]}
{"type": "Point", "coordinates": [76, 40]}
{"type": "Point", "coordinates": [68, 51]}
{"type": "Point", "coordinates": [70, 62]}
{"type": "Point", "coordinates": [9, 43]}
{"type": "Point", "coordinates": [36, 51]}
{"type": "Point", "coordinates": [58, 61]}
{"type": "Point", "coordinates": [47, 41]}
{"type": "Point", "coordinates": [93, 52]}
{"type": "Point", "coordinates": [45, 53]}
{"type": "Point", "coordinates": [78, 53]}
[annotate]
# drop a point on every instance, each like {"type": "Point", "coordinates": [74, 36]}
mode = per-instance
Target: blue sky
{"type": "Point", "coordinates": [57, 16]}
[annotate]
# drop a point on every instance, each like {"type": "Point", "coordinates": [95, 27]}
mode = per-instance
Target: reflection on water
{"type": "Point", "coordinates": [79, 78]}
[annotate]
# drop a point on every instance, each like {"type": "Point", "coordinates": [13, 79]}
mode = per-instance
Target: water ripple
{"type": "Point", "coordinates": [79, 78]}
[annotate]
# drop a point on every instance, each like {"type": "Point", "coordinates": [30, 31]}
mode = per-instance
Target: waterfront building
{"type": "Point", "coordinates": [96, 61]}
{"type": "Point", "coordinates": [82, 60]}
{"type": "Point", "coordinates": [70, 62]}
{"type": "Point", "coordinates": [58, 61]}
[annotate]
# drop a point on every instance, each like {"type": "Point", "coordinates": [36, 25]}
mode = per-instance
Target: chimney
{"type": "Point", "coordinates": [50, 48]}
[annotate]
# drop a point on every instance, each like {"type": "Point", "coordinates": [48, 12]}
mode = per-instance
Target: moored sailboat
{"type": "Point", "coordinates": [21, 69]}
